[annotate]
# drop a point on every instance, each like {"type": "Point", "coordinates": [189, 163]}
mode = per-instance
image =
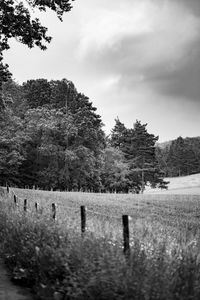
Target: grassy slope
{"type": "Point", "coordinates": [180, 185]}
{"type": "Point", "coordinates": [164, 237]}
{"type": "Point", "coordinates": [104, 211]}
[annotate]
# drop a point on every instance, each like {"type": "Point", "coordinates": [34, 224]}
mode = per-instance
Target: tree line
{"type": "Point", "coordinates": [53, 138]}
{"type": "Point", "coordinates": [179, 157]}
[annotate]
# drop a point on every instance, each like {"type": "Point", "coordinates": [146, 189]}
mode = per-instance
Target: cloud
{"type": "Point", "coordinates": [104, 31]}
{"type": "Point", "coordinates": [147, 41]}
{"type": "Point", "coordinates": [192, 6]}
{"type": "Point", "coordinates": [181, 80]}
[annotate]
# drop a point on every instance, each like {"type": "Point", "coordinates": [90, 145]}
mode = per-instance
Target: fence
{"type": "Point", "coordinates": [83, 218]}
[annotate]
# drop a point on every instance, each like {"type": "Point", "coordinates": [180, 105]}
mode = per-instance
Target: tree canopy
{"type": "Point", "coordinates": [180, 157]}
{"type": "Point", "coordinates": [51, 136]}
{"type": "Point", "coordinates": [139, 151]}
{"type": "Point", "coordinates": [16, 22]}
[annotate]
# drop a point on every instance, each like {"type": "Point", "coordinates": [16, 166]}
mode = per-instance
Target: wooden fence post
{"type": "Point", "coordinates": [25, 205]}
{"type": "Point", "coordinates": [36, 206]}
{"type": "Point", "coordinates": [54, 211]}
{"type": "Point", "coordinates": [15, 199]}
{"type": "Point", "coordinates": [83, 219]}
{"type": "Point", "coordinates": [126, 234]}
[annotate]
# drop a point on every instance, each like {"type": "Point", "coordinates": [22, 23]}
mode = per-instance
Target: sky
{"type": "Point", "coordinates": [134, 59]}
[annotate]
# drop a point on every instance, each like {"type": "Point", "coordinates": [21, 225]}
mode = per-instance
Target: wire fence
{"type": "Point", "coordinates": [84, 212]}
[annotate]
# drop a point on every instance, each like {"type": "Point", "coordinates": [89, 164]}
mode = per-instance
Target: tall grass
{"type": "Point", "coordinates": [54, 259]}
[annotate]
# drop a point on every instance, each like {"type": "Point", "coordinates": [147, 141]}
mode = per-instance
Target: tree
{"type": "Point", "coordinates": [14, 98]}
{"type": "Point", "coordinates": [64, 136]}
{"type": "Point", "coordinates": [12, 154]}
{"type": "Point", "coordinates": [114, 171]}
{"type": "Point", "coordinates": [182, 158]}
{"type": "Point", "coordinates": [16, 22]}
{"type": "Point", "coordinates": [48, 131]}
{"type": "Point", "coordinates": [118, 134]}
{"type": "Point", "coordinates": [5, 75]}
{"type": "Point", "coordinates": [63, 94]}
{"type": "Point", "coordinates": [162, 156]}
{"type": "Point", "coordinates": [138, 147]}
{"type": "Point", "coordinates": [37, 92]}
{"type": "Point", "coordinates": [89, 124]}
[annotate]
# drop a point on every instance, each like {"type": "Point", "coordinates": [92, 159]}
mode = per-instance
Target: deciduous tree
{"type": "Point", "coordinates": [16, 21]}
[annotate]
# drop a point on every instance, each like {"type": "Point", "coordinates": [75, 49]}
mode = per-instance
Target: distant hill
{"type": "Point", "coordinates": [179, 157]}
{"type": "Point", "coordinates": [180, 185]}
{"type": "Point", "coordinates": [168, 143]}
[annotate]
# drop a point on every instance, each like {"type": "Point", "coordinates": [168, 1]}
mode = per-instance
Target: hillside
{"type": "Point", "coordinates": [180, 157]}
{"type": "Point", "coordinates": [180, 185]}
{"type": "Point", "coordinates": [165, 144]}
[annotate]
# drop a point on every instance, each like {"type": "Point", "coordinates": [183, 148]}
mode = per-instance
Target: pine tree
{"type": "Point", "coordinates": [138, 147]}
{"type": "Point", "coordinates": [182, 159]}
{"type": "Point", "coordinates": [118, 134]}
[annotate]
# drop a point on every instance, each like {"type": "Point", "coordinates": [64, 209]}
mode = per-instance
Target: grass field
{"type": "Point", "coordinates": [180, 185]}
{"type": "Point", "coordinates": [165, 216]}
{"type": "Point", "coordinates": [164, 235]}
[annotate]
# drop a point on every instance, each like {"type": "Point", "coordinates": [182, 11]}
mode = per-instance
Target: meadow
{"type": "Point", "coordinates": [59, 263]}
{"type": "Point", "coordinates": [183, 185]}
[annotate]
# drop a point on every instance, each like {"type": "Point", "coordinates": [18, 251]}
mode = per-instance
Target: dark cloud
{"type": "Point", "coordinates": [192, 5]}
{"type": "Point", "coordinates": [183, 84]}
{"type": "Point", "coordinates": [162, 53]}
{"type": "Point", "coordinates": [175, 79]}
{"type": "Point", "coordinates": [182, 81]}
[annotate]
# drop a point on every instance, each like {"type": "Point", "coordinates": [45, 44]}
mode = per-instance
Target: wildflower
{"type": "Point", "coordinates": [37, 250]}
{"type": "Point", "coordinates": [57, 296]}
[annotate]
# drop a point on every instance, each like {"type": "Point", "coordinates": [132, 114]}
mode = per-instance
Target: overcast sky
{"type": "Point", "coordinates": [135, 59]}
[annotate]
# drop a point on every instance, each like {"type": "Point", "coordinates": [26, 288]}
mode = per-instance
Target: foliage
{"type": "Point", "coordinates": [62, 135]}
{"type": "Point", "coordinates": [118, 134]}
{"type": "Point", "coordinates": [11, 148]}
{"type": "Point", "coordinates": [63, 144]}
{"type": "Point", "coordinates": [37, 92]}
{"type": "Point", "coordinates": [114, 171]}
{"type": "Point", "coordinates": [138, 148]}
{"type": "Point", "coordinates": [16, 22]}
{"type": "Point", "coordinates": [53, 258]}
{"type": "Point", "coordinates": [4, 77]}
{"type": "Point", "coordinates": [57, 142]}
{"type": "Point", "coordinates": [13, 98]}
{"type": "Point", "coordinates": [181, 157]}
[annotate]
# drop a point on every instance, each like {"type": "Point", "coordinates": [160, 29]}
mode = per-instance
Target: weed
{"type": "Point", "coordinates": [58, 263]}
